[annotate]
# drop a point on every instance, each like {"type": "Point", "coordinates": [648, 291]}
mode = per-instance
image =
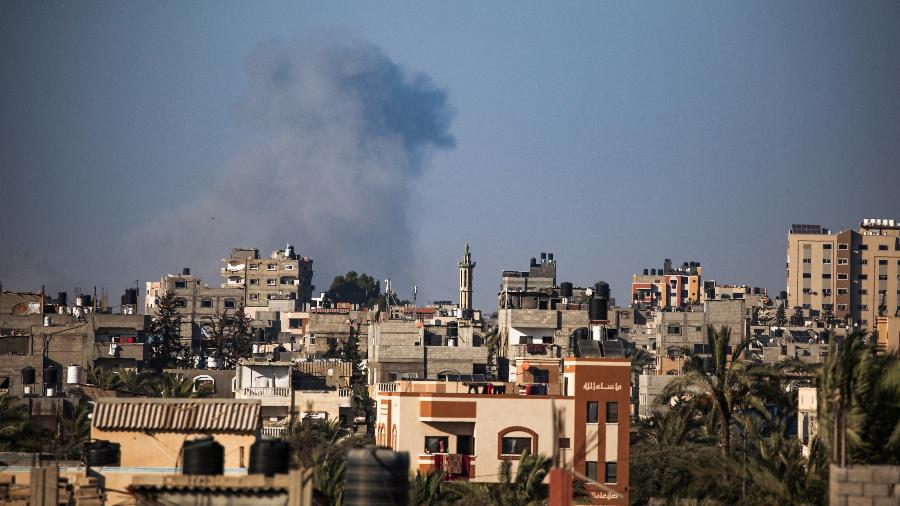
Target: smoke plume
{"type": "Point", "coordinates": [340, 133]}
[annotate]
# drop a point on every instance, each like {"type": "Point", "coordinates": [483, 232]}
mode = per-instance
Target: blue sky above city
{"type": "Point", "coordinates": [613, 134]}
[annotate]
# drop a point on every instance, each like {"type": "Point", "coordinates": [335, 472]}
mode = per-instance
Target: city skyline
{"type": "Point", "coordinates": [615, 136]}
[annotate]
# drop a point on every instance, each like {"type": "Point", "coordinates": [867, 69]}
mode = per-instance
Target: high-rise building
{"type": "Point", "coordinates": [466, 269]}
{"type": "Point", "coordinates": [285, 275]}
{"type": "Point", "coordinates": [854, 273]}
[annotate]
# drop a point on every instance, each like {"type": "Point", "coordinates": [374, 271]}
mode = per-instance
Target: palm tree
{"type": "Point", "coordinates": [74, 431]}
{"type": "Point", "coordinates": [104, 378]}
{"type": "Point", "coordinates": [726, 386]}
{"type": "Point", "coordinates": [859, 403]}
{"type": "Point", "coordinates": [13, 422]}
{"type": "Point", "coordinates": [132, 381]}
{"type": "Point", "coordinates": [428, 490]}
{"type": "Point", "coordinates": [328, 477]}
{"type": "Point", "coordinates": [173, 386]}
{"type": "Point", "coordinates": [526, 488]}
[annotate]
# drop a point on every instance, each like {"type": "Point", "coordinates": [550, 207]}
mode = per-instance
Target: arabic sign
{"type": "Point", "coordinates": [593, 385]}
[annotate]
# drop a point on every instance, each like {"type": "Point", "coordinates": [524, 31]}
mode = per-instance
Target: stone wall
{"type": "Point", "coordinates": [864, 485]}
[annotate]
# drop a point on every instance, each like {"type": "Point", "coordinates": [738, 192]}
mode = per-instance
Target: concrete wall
{"type": "Point", "coordinates": [864, 485]}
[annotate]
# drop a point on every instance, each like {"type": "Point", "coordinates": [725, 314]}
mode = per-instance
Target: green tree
{"type": "Point", "coordinates": [525, 488]}
{"type": "Point", "coordinates": [133, 381]}
{"type": "Point", "coordinates": [13, 422]}
{"type": "Point", "coordinates": [797, 318]}
{"type": "Point", "coordinates": [726, 387]}
{"type": "Point", "coordinates": [74, 432]}
{"type": "Point", "coordinates": [429, 489]}
{"type": "Point", "coordinates": [355, 288]}
{"type": "Point", "coordinates": [780, 316]}
{"type": "Point", "coordinates": [165, 347]}
{"type": "Point", "coordinates": [228, 337]}
{"type": "Point", "coordinates": [172, 386]}
{"type": "Point", "coordinates": [859, 403]}
{"type": "Point", "coordinates": [104, 378]}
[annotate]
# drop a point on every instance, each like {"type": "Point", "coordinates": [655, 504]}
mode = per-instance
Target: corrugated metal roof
{"type": "Point", "coordinates": [177, 415]}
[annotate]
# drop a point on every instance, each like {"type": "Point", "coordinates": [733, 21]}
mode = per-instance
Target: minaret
{"type": "Point", "coordinates": [466, 266]}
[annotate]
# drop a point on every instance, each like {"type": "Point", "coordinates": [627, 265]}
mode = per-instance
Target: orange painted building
{"type": "Point", "coordinates": [467, 429]}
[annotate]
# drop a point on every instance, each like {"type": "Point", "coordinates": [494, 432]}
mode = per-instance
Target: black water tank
{"type": "Point", "coordinates": [203, 456]}
{"type": "Point", "coordinates": [51, 375]}
{"type": "Point", "coordinates": [582, 333]}
{"type": "Point", "coordinates": [269, 456]}
{"type": "Point", "coordinates": [101, 453]}
{"type": "Point", "coordinates": [376, 477]}
{"type": "Point", "coordinates": [646, 272]}
{"type": "Point", "coordinates": [259, 335]}
{"type": "Point", "coordinates": [599, 309]}
{"type": "Point", "coordinates": [186, 271]}
{"type": "Point", "coordinates": [602, 288]}
{"type": "Point", "coordinates": [565, 289]}
{"type": "Point", "coordinates": [29, 376]}
{"type": "Point", "coordinates": [782, 295]}
{"type": "Point", "coordinates": [62, 298]}
{"type": "Point", "coordinates": [130, 297]}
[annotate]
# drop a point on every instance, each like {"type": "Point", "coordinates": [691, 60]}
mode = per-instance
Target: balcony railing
{"type": "Point", "coordinates": [276, 432]}
{"type": "Point", "coordinates": [387, 387]}
{"type": "Point", "coordinates": [267, 391]}
{"type": "Point", "coordinates": [345, 392]}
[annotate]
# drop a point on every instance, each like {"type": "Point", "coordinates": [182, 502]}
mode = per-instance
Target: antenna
{"type": "Point", "coordinates": [415, 292]}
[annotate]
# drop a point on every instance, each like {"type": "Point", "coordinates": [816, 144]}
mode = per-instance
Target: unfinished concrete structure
{"type": "Point", "coordinates": [285, 275]}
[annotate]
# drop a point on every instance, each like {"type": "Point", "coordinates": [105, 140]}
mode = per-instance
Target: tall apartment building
{"type": "Point", "coordinates": [669, 287]}
{"type": "Point", "coordinates": [853, 273]}
{"type": "Point", "coordinates": [283, 276]}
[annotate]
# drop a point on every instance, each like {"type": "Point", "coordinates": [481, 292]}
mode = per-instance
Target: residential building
{"type": "Point", "coordinates": [807, 417]}
{"type": "Point", "coordinates": [285, 275]}
{"type": "Point", "coordinates": [854, 274]}
{"type": "Point", "coordinates": [456, 427]}
{"type": "Point", "coordinates": [669, 287]}
{"type": "Point", "coordinates": [196, 301]}
{"type": "Point", "coordinates": [888, 333]}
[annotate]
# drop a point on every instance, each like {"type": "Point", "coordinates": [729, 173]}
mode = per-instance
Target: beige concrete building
{"type": "Point", "coordinates": [458, 428]}
{"type": "Point", "coordinates": [888, 329]}
{"type": "Point", "coordinates": [807, 417]}
{"type": "Point", "coordinates": [285, 275]}
{"type": "Point", "coordinates": [853, 273]}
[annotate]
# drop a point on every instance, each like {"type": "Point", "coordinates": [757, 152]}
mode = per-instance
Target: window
{"type": "Point", "coordinates": [590, 470]}
{"type": "Point", "coordinates": [826, 246]}
{"type": "Point", "coordinates": [882, 277]}
{"type": "Point", "coordinates": [540, 375]}
{"type": "Point", "coordinates": [612, 412]}
{"type": "Point", "coordinates": [437, 444]}
{"type": "Point", "coordinates": [882, 247]}
{"type": "Point", "coordinates": [842, 276]}
{"type": "Point", "coordinates": [181, 284]}
{"type": "Point", "coordinates": [864, 262]}
{"type": "Point", "coordinates": [270, 282]}
{"type": "Point", "coordinates": [674, 329]}
{"type": "Point", "coordinates": [547, 339]}
{"type": "Point", "coordinates": [288, 267]}
{"type": "Point", "coordinates": [843, 246]}
{"type": "Point", "coordinates": [514, 445]}
{"type": "Point", "coordinates": [254, 296]}
{"type": "Point", "coordinates": [204, 383]}
{"type": "Point", "coordinates": [807, 275]}
{"type": "Point", "coordinates": [311, 340]}
{"type": "Point", "coordinates": [826, 261]}
{"type": "Point", "coordinates": [882, 262]}
{"type": "Point", "coordinates": [826, 292]}
{"type": "Point", "coordinates": [842, 291]}
{"type": "Point", "coordinates": [807, 260]}
{"type": "Point", "coordinates": [206, 303]}
{"type": "Point", "coordinates": [593, 412]}
{"type": "Point", "coordinates": [180, 302]}
{"type": "Point", "coordinates": [229, 304]}
{"type": "Point", "coordinates": [863, 291]}
{"type": "Point", "coordinates": [863, 307]}
{"type": "Point", "coordinates": [271, 267]}
{"type": "Point", "coordinates": [295, 323]}
{"type": "Point", "coordinates": [254, 267]}
{"type": "Point", "coordinates": [842, 261]}
{"type": "Point", "coordinates": [254, 281]}
{"type": "Point", "coordinates": [863, 247]}
{"type": "Point", "coordinates": [609, 476]}
{"type": "Point", "coordinates": [842, 307]}
{"type": "Point", "coordinates": [863, 276]}
{"type": "Point", "coordinates": [565, 443]}
{"type": "Point", "coordinates": [826, 276]}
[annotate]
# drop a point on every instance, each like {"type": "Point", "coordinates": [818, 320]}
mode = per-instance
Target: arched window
{"type": "Point", "coordinates": [394, 438]}
{"type": "Point", "coordinates": [512, 441]}
{"type": "Point", "coordinates": [204, 382]}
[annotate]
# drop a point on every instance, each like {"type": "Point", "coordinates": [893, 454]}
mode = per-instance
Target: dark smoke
{"type": "Point", "coordinates": [340, 134]}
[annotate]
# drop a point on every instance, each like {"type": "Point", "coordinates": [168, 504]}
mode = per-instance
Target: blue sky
{"type": "Point", "coordinates": [614, 134]}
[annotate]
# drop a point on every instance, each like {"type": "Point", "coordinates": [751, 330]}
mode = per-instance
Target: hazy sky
{"type": "Point", "coordinates": [382, 136]}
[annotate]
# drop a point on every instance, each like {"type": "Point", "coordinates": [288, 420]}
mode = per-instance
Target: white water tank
{"type": "Point", "coordinates": [51, 391]}
{"type": "Point", "coordinates": [47, 321]}
{"type": "Point", "coordinates": [255, 348]}
{"type": "Point", "coordinates": [74, 375]}
{"type": "Point", "coordinates": [212, 362]}
{"type": "Point", "coordinates": [451, 341]}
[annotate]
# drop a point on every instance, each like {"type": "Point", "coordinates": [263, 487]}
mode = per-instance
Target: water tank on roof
{"type": "Point", "coordinates": [101, 453]}
{"type": "Point", "coordinates": [212, 362]}
{"type": "Point", "coordinates": [269, 456]}
{"type": "Point", "coordinates": [602, 288]}
{"type": "Point", "coordinates": [565, 289]}
{"type": "Point", "coordinates": [186, 271]}
{"type": "Point", "coordinates": [203, 456]}
{"type": "Point", "coordinates": [74, 375]}
{"type": "Point", "coordinates": [62, 298]}
{"type": "Point", "coordinates": [376, 476]}
{"type": "Point", "coordinates": [130, 297]}
{"type": "Point", "coordinates": [29, 377]}
{"type": "Point", "coordinates": [646, 272]}
{"type": "Point", "coordinates": [598, 309]}
{"type": "Point", "coordinates": [51, 375]}
{"type": "Point", "coordinates": [259, 335]}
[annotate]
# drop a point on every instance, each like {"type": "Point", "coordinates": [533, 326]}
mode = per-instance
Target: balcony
{"type": "Point", "coordinates": [251, 392]}
{"type": "Point", "coordinates": [454, 465]}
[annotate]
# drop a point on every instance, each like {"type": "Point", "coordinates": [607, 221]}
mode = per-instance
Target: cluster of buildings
{"type": "Point", "coordinates": [560, 370]}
